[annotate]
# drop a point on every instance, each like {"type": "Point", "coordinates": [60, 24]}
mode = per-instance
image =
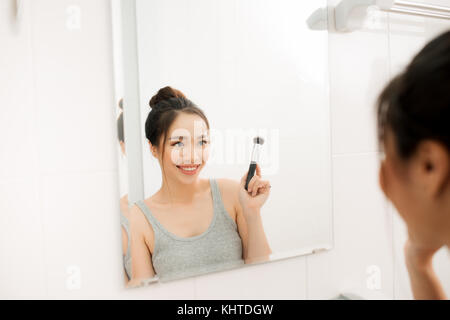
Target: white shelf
{"type": "Point", "coordinates": [350, 14]}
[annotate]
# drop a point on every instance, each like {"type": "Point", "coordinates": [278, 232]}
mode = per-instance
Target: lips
{"type": "Point", "coordinates": [188, 169]}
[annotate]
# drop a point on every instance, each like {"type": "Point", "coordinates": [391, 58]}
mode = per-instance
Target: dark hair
{"type": "Point", "coordinates": [120, 132]}
{"type": "Point", "coordinates": [166, 105]}
{"type": "Point", "coordinates": [415, 105]}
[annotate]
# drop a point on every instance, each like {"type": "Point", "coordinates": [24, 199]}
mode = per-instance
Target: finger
{"type": "Point", "coordinates": [255, 188]}
{"type": "Point", "coordinates": [265, 188]}
{"type": "Point", "coordinates": [252, 182]}
{"type": "Point", "coordinates": [262, 187]}
{"type": "Point", "coordinates": [258, 170]}
{"type": "Point", "coordinates": [244, 179]}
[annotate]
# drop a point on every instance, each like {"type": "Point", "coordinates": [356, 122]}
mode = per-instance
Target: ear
{"type": "Point", "coordinates": [434, 166]}
{"type": "Point", "coordinates": [153, 149]}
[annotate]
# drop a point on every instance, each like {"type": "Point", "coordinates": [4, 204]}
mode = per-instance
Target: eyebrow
{"type": "Point", "coordinates": [183, 137]}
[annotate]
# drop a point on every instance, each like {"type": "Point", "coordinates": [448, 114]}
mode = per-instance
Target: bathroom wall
{"type": "Point", "coordinates": [59, 177]}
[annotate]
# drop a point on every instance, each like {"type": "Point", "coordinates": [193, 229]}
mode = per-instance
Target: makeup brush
{"type": "Point", "coordinates": [257, 143]}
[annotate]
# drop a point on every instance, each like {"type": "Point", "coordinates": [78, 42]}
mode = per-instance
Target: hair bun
{"type": "Point", "coordinates": [165, 94]}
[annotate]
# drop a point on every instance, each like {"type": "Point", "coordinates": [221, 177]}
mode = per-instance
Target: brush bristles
{"type": "Point", "coordinates": [258, 140]}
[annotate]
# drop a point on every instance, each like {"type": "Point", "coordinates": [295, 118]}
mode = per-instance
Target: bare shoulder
{"type": "Point", "coordinates": [229, 190]}
{"type": "Point", "coordinates": [137, 219]}
{"type": "Point", "coordinates": [139, 225]}
{"type": "Point", "coordinates": [228, 187]}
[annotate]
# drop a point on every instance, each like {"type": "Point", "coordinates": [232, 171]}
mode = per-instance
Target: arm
{"type": "Point", "coordinates": [424, 282]}
{"type": "Point", "coordinates": [248, 212]}
{"type": "Point", "coordinates": [254, 241]}
{"type": "Point", "coordinates": [125, 210]}
{"type": "Point", "coordinates": [142, 267]}
{"type": "Point", "coordinates": [124, 250]}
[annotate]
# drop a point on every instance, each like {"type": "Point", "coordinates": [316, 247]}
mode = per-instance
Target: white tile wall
{"type": "Point", "coordinates": [58, 174]}
{"type": "Point", "coordinates": [22, 259]}
{"type": "Point", "coordinates": [79, 226]}
{"type": "Point", "coordinates": [284, 279]}
{"type": "Point", "coordinates": [16, 92]}
{"type": "Point", "coordinates": [73, 80]}
{"type": "Point", "coordinates": [362, 57]}
{"type": "Point", "coordinates": [362, 250]}
{"type": "Point", "coordinates": [22, 262]}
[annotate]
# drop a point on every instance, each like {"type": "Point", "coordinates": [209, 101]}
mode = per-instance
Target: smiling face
{"type": "Point", "coordinates": [186, 149]}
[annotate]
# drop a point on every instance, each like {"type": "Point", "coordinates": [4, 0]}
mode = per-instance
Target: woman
{"type": "Point", "coordinates": [191, 225]}
{"type": "Point", "coordinates": [414, 130]}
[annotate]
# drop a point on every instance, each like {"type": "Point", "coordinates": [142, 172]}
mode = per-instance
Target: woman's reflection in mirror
{"type": "Point", "coordinates": [192, 225]}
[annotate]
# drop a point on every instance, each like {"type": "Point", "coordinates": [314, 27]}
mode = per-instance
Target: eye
{"type": "Point", "coordinates": [204, 142]}
{"type": "Point", "coordinates": [178, 144]}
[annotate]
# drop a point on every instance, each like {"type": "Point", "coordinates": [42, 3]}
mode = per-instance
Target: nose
{"type": "Point", "coordinates": [197, 154]}
{"type": "Point", "coordinates": [193, 154]}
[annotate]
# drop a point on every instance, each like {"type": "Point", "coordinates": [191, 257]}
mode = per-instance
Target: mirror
{"type": "Point", "coordinates": [255, 69]}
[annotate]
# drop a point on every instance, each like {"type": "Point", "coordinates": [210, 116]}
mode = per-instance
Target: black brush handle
{"type": "Point", "coordinates": [251, 173]}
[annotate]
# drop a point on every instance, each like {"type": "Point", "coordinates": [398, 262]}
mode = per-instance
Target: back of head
{"type": "Point", "coordinates": [415, 105]}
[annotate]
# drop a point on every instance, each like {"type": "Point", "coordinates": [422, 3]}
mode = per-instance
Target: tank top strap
{"type": "Point", "coordinates": [150, 218]}
{"type": "Point", "coordinates": [217, 198]}
{"type": "Point", "coordinates": [126, 225]}
{"type": "Point", "coordinates": [219, 206]}
{"type": "Point", "coordinates": [127, 257]}
{"type": "Point", "coordinates": [124, 222]}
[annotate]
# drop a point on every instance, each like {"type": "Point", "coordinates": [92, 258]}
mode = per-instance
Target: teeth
{"type": "Point", "coordinates": [188, 168]}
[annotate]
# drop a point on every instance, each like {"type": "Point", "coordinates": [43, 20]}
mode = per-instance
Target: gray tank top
{"type": "Point", "coordinates": [127, 257]}
{"type": "Point", "coordinates": [218, 248]}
